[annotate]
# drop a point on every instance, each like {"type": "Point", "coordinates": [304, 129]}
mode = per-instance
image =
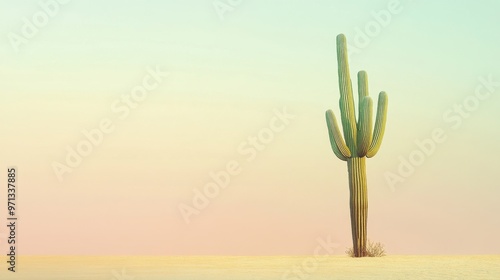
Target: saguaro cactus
{"type": "Point", "coordinates": [360, 141]}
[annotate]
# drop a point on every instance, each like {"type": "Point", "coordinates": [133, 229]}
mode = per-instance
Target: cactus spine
{"type": "Point", "coordinates": [360, 141]}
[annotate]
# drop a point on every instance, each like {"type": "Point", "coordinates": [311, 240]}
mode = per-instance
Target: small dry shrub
{"type": "Point", "coordinates": [372, 250]}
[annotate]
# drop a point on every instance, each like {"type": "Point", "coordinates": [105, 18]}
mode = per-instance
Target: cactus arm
{"type": "Point", "coordinates": [362, 89]}
{"type": "Point", "coordinates": [362, 84]}
{"type": "Point", "coordinates": [339, 147]}
{"type": "Point", "coordinates": [380, 121]}
{"type": "Point", "coordinates": [364, 136]}
{"type": "Point", "coordinates": [346, 99]}
{"type": "Point", "coordinates": [365, 126]}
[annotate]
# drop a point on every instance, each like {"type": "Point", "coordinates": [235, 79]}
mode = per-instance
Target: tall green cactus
{"type": "Point", "coordinates": [360, 141]}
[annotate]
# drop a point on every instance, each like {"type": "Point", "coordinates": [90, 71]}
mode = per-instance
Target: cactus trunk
{"type": "Point", "coordinates": [358, 203]}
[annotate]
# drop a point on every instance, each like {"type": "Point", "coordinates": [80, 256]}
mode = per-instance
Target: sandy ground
{"type": "Point", "coordinates": [272, 267]}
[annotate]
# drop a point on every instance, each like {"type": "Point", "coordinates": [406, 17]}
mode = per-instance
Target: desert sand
{"type": "Point", "coordinates": [254, 267]}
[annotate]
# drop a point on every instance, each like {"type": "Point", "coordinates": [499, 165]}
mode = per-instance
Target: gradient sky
{"type": "Point", "coordinates": [227, 77]}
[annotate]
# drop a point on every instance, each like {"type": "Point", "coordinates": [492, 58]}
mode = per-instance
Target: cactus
{"type": "Point", "coordinates": [360, 141]}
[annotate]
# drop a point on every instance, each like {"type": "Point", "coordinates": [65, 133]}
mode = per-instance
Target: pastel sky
{"type": "Point", "coordinates": [230, 72]}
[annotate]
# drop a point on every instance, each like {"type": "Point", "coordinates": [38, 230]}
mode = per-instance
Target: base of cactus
{"type": "Point", "coordinates": [358, 203]}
